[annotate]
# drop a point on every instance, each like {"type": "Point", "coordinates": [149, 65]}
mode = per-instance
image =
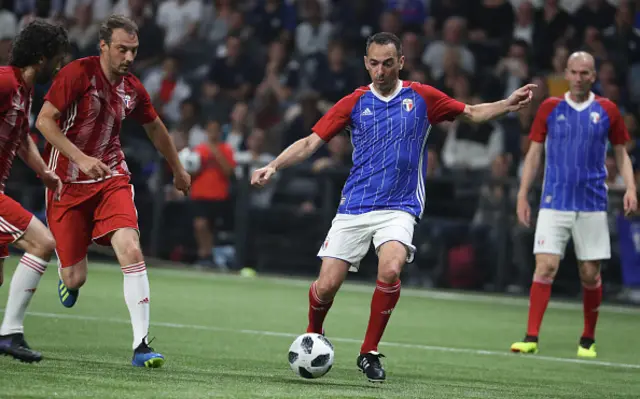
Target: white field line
{"type": "Point", "coordinates": [345, 340]}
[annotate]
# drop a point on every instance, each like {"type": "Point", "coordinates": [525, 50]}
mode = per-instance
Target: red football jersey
{"type": "Point", "coordinates": [92, 112]}
{"type": "Point", "coordinates": [15, 106]}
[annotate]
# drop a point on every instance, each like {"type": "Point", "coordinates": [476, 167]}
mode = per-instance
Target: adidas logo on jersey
{"type": "Point", "coordinates": [366, 112]}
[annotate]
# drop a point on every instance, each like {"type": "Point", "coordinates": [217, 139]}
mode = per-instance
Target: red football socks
{"type": "Point", "coordinates": [318, 310]}
{"type": "Point", "coordinates": [385, 298]}
{"type": "Point", "coordinates": [538, 301]}
{"type": "Point", "coordinates": [591, 300]}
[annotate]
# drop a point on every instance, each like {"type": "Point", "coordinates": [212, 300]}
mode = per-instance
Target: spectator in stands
{"type": "Point", "coordinates": [280, 75]}
{"type": "Point", "coordinates": [83, 34]}
{"type": "Point", "coordinates": [167, 89]}
{"type": "Point", "coordinates": [44, 9]}
{"type": "Point", "coordinates": [552, 28]}
{"type": "Point", "coordinates": [513, 69]}
{"type": "Point", "coordinates": [598, 14]}
{"type": "Point", "coordinates": [232, 76]}
{"type": "Point", "coordinates": [210, 190]}
{"type": "Point", "coordinates": [390, 21]}
{"type": "Point", "coordinates": [412, 12]}
{"type": "Point", "coordinates": [189, 131]}
{"type": "Point", "coordinates": [275, 20]}
{"type": "Point", "coordinates": [453, 38]}
{"type": "Point", "coordinates": [524, 26]}
{"type": "Point", "coordinates": [180, 20]}
{"type": "Point", "coordinates": [556, 82]}
{"type": "Point", "coordinates": [334, 78]}
{"type": "Point", "coordinates": [622, 40]}
{"type": "Point", "coordinates": [313, 35]}
{"type": "Point", "coordinates": [8, 29]}
{"type": "Point", "coordinates": [150, 35]}
{"type": "Point", "coordinates": [98, 11]}
{"type": "Point", "coordinates": [471, 147]}
{"type": "Point", "coordinates": [255, 157]}
{"type": "Point", "coordinates": [129, 8]}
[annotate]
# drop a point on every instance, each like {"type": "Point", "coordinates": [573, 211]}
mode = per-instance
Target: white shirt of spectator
{"type": "Point", "coordinates": [472, 154]}
{"type": "Point", "coordinates": [171, 110]}
{"type": "Point", "coordinates": [259, 198]}
{"type": "Point", "coordinates": [311, 41]}
{"type": "Point", "coordinates": [100, 9]}
{"type": "Point", "coordinates": [8, 25]}
{"type": "Point", "coordinates": [175, 19]}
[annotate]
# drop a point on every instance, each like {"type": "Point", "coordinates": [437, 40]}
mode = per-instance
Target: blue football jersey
{"type": "Point", "coordinates": [576, 137]}
{"type": "Point", "coordinates": [389, 138]}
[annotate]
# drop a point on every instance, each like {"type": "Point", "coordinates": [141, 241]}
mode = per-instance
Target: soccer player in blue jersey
{"type": "Point", "coordinates": [384, 195]}
{"type": "Point", "coordinates": [574, 131]}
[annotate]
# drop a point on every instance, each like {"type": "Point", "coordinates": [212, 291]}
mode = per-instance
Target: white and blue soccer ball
{"type": "Point", "coordinates": [190, 160]}
{"type": "Point", "coordinates": [311, 355]}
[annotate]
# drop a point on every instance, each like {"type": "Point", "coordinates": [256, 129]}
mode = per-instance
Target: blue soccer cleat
{"type": "Point", "coordinates": [144, 356]}
{"type": "Point", "coordinates": [68, 297]}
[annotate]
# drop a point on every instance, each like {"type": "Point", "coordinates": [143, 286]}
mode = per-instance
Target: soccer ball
{"type": "Point", "coordinates": [190, 160]}
{"type": "Point", "coordinates": [311, 355]}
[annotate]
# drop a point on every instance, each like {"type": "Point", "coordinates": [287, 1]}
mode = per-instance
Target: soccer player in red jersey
{"type": "Point", "coordinates": [36, 55]}
{"type": "Point", "coordinates": [81, 120]}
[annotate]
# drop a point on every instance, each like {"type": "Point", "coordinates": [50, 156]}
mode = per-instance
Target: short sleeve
{"type": "Point", "coordinates": [440, 107]}
{"type": "Point", "coordinates": [144, 112]}
{"type": "Point", "coordinates": [338, 117]}
{"type": "Point", "coordinates": [538, 132]}
{"type": "Point", "coordinates": [68, 85]}
{"type": "Point", "coordinates": [618, 133]}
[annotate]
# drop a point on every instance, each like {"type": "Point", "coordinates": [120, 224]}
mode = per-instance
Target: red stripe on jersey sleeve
{"type": "Point", "coordinates": [69, 84]}
{"type": "Point", "coordinates": [440, 107]}
{"type": "Point", "coordinates": [538, 132]}
{"type": "Point", "coordinates": [618, 133]}
{"type": "Point", "coordinates": [338, 117]}
{"type": "Point", "coordinates": [144, 112]}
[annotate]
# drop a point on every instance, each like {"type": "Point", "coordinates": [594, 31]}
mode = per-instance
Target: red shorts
{"type": "Point", "coordinates": [89, 211]}
{"type": "Point", "coordinates": [14, 220]}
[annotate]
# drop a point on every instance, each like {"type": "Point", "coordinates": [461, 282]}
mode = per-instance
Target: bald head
{"type": "Point", "coordinates": [581, 74]}
{"type": "Point", "coordinates": [581, 59]}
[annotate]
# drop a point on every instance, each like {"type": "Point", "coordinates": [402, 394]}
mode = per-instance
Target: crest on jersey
{"type": "Point", "coordinates": [407, 104]}
{"type": "Point", "coordinates": [127, 100]}
{"type": "Point", "coordinates": [595, 117]}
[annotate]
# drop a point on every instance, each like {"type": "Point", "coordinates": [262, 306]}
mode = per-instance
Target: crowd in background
{"type": "Point", "coordinates": [246, 78]}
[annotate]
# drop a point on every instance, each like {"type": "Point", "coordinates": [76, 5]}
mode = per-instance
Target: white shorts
{"type": "Point", "coordinates": [350, 236]}
{"type": "Point", "coordinates": [590, 232]}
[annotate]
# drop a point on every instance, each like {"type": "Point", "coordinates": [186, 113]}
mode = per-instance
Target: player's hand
{"type": "Point", "coordinates": [630, 201]}
{"type": "Point", "coordinates": [182, 181]}
{"type": "Point", "coordinates": [53, 183]}
{"type": "Point", "coordinates": [524, 211]}
{"type": "Point", "coordinates": [262, 176]}
{"type": "Point", "coordinates": [520, 98]}
{"type": "Point", "coordinates": [94, 168]}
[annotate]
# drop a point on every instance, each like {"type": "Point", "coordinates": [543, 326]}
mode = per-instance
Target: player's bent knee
{"type": "Point", "coordinates": [72, 278]}
{"type": "Point", "coordinates": [327, 287]}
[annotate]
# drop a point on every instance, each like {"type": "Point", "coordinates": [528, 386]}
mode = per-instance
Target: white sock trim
{"type": "Point", "coordinates": [34, 263]}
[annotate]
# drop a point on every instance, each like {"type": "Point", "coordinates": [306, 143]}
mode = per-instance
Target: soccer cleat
{"type": "Point", "coordinates": [15, 346]}
{"type": "Point", "coordinates": [587, 348]}
{"type": "Point", "coordinates": [144, 356]}
{"type": "Point", "coordinates": [524, 347]}
{"type": "Point", "coordinates": [369, 364]}
{"type": "Point", "coordinates": [67, 297]}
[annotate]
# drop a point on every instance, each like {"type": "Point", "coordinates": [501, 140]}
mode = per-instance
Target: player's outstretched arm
{"type": "Point", "coordinates": [47, 124]}
{"type": "Point", "coordinates": [29, 153]}
{"type": "Point", "coordinates": [529, 171]}
{"type": "Point", "coordinates": [294, 154]}
{"type": "Point", "coordinates": [626, 171]}
{"type": "Point", "coordinates": [159, 136]}
{"type": "Point", "coordinates": [485, 112]}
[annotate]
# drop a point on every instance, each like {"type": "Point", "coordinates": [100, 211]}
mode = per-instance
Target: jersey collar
{"type": "Point", "coordinates": [579, 106]}
{"type": "Point", "coordinates": [391, 96]}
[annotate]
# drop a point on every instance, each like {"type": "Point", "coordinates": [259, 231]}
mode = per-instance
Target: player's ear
{"type": "Point", "coordinates": [366, 64]}
{"type": "Point", "coordinates": [401, 61]}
